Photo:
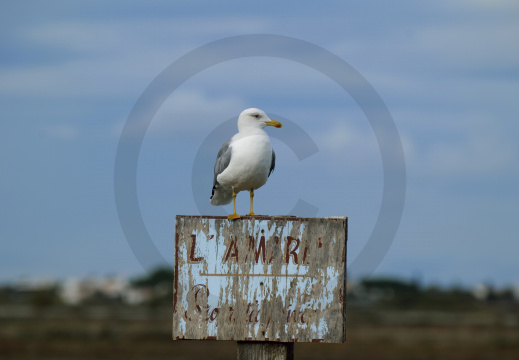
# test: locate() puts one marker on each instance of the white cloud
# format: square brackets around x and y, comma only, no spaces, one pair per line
[113,77]
[476,155]
[187,111]
[359,148]
[98,36]
[458,145]
[470,45]
[111,58]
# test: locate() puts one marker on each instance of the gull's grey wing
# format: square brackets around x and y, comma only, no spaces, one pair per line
[273,162]
[222,160]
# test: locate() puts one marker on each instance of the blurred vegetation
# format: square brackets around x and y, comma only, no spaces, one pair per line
[401,294]
[382,292]
[158,277]
[160,281]
[387,318]
[38,298]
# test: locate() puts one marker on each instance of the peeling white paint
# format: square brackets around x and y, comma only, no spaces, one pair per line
[260,278]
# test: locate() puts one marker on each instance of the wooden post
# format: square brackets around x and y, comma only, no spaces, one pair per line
[265,350]
[265,282]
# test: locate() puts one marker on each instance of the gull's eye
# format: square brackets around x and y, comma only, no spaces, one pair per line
[257,116]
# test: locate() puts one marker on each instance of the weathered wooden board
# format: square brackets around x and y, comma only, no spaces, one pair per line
[260,278]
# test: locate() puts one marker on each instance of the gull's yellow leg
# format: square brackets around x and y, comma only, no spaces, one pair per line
[251,201]
[233,216]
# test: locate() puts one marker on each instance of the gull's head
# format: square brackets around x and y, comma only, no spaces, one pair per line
[255,118]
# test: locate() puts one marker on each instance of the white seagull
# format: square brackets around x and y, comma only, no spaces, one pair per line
[245,161]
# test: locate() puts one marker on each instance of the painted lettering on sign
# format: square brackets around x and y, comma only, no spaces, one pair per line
[281,279]
[192,259]
[202,311]
[258,253]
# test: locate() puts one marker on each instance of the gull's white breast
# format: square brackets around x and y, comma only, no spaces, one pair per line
[250,163]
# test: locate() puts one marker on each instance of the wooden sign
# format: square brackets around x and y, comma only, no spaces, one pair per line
[260,278]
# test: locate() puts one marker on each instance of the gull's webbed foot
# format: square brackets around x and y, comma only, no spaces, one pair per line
[233,216]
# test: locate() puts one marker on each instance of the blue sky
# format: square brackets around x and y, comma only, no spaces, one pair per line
[448,72]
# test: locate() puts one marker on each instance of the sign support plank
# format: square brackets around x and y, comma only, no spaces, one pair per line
[260,279]
[265,350]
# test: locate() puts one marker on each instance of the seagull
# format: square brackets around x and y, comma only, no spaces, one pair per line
[245,161]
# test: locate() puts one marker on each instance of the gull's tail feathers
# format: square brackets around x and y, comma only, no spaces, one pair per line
[221,196]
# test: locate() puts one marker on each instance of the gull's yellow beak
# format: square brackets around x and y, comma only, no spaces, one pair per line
[274,123]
